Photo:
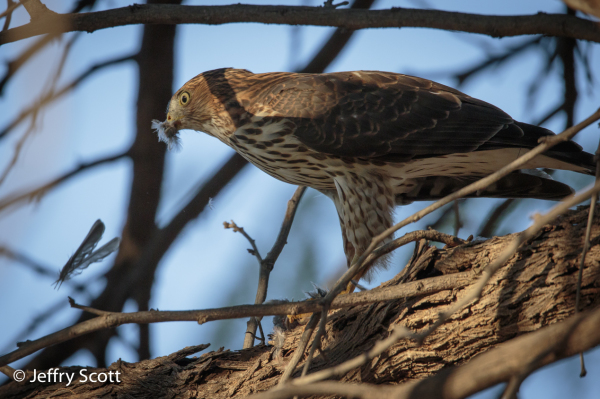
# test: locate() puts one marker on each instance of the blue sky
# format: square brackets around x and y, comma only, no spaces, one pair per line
[209,266]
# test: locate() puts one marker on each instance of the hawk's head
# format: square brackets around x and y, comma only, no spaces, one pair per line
[198,105]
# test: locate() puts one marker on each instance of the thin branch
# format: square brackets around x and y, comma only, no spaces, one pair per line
[19,147]
[300,348]
[565,51]
[8,371]
[49,92]
[496,26]
[43,315]
[495,60]
[514,383]
[379,252]
[550,114]
[316,344]
[97,312]
[458,224]
[495,216]
[286,225]
[267,264]
[238,229]
[30,263]
[10,7]
[37,193]
[52,96]
[14,65]
[586,247]
[114,319]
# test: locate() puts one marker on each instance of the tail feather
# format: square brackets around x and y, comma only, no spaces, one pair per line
[518,184]
[567,151]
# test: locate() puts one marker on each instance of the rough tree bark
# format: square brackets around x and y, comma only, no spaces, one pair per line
[534,289]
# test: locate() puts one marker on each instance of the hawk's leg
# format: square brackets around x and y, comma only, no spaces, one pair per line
[365,203]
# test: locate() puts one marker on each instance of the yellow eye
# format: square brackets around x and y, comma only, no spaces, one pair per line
[184,98]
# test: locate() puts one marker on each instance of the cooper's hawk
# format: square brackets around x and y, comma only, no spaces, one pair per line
[368,140]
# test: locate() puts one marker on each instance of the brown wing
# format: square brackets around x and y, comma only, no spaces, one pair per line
[388,115]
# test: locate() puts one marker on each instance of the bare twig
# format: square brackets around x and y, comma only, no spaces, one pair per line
[495,216]
[14,65]
[300,348]
[48,93]
[431,235]
[43,315]
[496,26]
[495,60]
[550,114]
[266,265]
[379,252]
[25,260]
[237,229]
[88,309]
[10,7]
[19,146]
[514,383]
[317,341]
[457,222]
[55,94]
[286,225]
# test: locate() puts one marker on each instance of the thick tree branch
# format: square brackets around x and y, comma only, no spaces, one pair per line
[496,26]
[578,333]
